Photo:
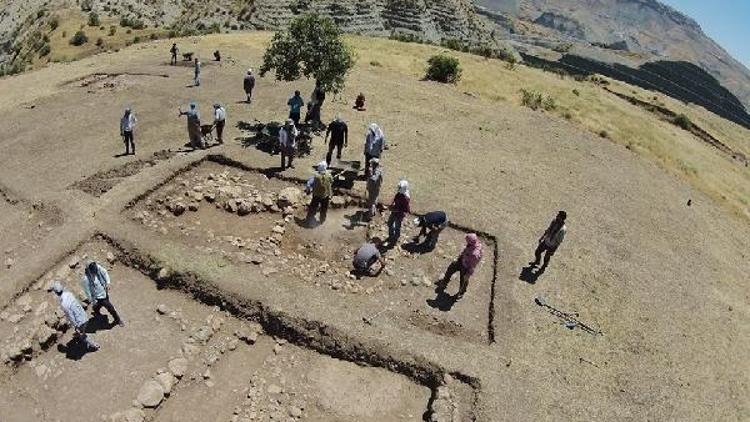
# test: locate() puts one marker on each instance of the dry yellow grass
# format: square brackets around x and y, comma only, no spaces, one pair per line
[72,21]
[676,150]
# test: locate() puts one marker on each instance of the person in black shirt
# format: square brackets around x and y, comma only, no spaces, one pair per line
[432,224]
[339,132]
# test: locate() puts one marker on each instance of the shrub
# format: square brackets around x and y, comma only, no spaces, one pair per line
[153,36]
[443,68]
[79,38]
[568,115]
[683,121]
[112,30]
[604,134]
[128,22]
[86,5]
[94,19]
[54,23]
[375,63]
[65,34]
[136,40]
[536,100]
[576,92]
[99,42]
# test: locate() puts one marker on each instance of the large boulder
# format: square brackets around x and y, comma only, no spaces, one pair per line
[288,197]
[151,394]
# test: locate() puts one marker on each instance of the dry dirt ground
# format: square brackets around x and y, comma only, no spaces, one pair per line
[663,285]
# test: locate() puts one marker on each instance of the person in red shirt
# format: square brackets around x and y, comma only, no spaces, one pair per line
[399,208]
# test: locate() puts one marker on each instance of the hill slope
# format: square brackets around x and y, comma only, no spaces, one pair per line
[646,27]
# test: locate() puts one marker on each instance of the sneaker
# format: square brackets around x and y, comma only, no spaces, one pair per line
[121,323]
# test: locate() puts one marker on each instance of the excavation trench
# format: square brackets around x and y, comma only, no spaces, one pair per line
[127,259]
[313,335]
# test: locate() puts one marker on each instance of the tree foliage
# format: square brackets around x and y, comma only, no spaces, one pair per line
[312,47]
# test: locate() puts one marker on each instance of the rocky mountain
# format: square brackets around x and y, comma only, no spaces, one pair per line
[25,23]
[648,29]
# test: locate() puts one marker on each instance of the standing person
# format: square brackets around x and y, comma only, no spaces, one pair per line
[432,224]
[551,240]
[288,143]
[367,255]
[220,119]
[339,132]
[197,68]
[95,283]
[75,314]
[249,84]
[295,104]
[317,98]
[374,182]
[465,265]
[321,186]
[193,126]
[127,126]
[174,50]
[374,145]
[399,208]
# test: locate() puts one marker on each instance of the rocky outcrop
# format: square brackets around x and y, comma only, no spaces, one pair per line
[653,30]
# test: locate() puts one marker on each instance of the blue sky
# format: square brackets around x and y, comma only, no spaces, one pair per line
[726,21]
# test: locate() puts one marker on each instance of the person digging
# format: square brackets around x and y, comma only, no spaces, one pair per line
[75,315]
[366,257]
[431,225]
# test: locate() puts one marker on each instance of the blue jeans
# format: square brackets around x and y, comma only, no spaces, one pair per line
[394,226]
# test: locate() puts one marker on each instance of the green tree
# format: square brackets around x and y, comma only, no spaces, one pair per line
[312,47]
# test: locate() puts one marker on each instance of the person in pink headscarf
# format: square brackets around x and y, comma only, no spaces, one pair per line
[465,264]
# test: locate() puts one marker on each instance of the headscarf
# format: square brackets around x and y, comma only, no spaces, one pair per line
[375,161]
[473,245]
[249,71]
[322,167]
[376,131]
[56,287]
[338,118]
[403,188]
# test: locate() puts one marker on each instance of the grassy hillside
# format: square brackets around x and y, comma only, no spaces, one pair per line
[589,106]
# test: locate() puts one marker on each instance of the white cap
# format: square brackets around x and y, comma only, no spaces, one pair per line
[322,166]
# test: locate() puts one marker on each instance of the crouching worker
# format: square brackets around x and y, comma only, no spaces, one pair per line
[367,255]
[75,314]
[465,265]
[432,224]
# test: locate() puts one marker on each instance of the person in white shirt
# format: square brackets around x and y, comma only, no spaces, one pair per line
[75,314]
[127,126]
[220,117]
[95,283]
[551,240]
[288,143]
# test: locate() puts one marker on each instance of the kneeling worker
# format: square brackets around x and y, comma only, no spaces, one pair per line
[367,255]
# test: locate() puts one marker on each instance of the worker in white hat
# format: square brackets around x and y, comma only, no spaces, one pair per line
[75,314]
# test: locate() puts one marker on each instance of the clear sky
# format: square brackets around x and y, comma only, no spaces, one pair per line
[726,21]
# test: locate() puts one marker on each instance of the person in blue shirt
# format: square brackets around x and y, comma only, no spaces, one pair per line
[295,107]
[95,283]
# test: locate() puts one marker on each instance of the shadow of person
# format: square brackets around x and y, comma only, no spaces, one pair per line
[305,223]
[120,155]
[358,219]
[74,349]
[414,247]
[529,275]
[98,323]
[443,301]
